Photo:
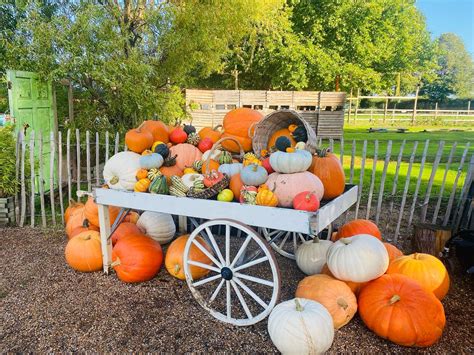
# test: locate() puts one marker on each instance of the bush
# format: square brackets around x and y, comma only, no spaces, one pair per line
[9,184]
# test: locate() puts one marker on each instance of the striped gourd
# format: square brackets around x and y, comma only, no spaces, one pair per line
[153,173]
[198,185]
[178,184]
[176,192]
[197,165]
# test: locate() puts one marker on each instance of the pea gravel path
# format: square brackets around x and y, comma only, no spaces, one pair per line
[46,306]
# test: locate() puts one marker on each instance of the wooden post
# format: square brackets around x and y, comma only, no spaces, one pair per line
[70,101]
[382,181]
[441,190]
[434,168]
[430,238]
[361,178]
[436,112]
[19,139]
[88,162]
[385,109]
[372,179]
[60,174]
[106,242]
[32,178]
[418,181]
[22,181]
[52,153]
[413,119]
[97,159]
[68,165]
[41,179]
[357,105]
[350,108]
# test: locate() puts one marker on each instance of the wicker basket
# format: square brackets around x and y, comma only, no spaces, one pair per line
[278,120]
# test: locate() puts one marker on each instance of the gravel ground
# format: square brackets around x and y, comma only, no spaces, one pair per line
[46,306]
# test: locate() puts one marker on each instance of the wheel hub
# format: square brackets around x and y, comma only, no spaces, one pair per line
[226,273]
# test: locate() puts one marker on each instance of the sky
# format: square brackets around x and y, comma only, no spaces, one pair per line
[455,16]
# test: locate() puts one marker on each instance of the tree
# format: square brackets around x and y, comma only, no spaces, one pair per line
[455,72]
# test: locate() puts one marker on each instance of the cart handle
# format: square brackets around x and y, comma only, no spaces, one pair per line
[217,145]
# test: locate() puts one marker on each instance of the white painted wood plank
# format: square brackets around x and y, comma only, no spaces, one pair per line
[60,174]
[97,159]
[361,178]
[52,155]
[32,178]
[106,242]
[78,159]
[395,178]
[106,146]
[372,179]
[22,179]
[41,178]
[441,189]
[382,181]
[117,138]
[68,165]
[88,162]
[426,201]
[405,191]
[418,181]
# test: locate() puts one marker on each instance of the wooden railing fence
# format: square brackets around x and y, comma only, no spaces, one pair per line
[400,182]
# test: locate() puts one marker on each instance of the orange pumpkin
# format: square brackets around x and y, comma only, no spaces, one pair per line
[393,251]
[236,185]
[138,140]
[333,294]
[236,124]
[73,207]
[327,167]
[214,134]
[86,226]
[285,132]
[186,153]
[131,217]
[136,258]
[83,252]
[358,226]
[426,269]
[169,171]
[91,212]
[213,165]
[175,253]
[158,130]
[354,286]
[141,174]
[125,229]
[398,309]
[75,221]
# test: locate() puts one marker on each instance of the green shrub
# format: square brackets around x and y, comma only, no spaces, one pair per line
[9,184]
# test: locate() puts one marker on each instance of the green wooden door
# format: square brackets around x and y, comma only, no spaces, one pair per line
[31,107]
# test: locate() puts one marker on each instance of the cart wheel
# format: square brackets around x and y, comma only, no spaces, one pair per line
[283,242]
[243,284]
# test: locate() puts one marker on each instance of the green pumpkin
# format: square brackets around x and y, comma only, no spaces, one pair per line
[282,143]
[225,158]
[163,150]
[300,134]
[159,186]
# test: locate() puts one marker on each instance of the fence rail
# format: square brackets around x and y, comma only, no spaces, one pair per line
[400,181]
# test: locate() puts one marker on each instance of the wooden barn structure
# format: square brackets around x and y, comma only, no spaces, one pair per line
[323,110]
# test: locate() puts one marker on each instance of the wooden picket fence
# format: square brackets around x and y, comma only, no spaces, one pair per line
[394,203]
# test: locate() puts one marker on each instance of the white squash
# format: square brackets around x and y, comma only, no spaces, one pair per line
[311,255]
[120,169]
[360,258]
[289,163]
[230,169]
[159,226]
[301,326]
[188,179]
[215,155]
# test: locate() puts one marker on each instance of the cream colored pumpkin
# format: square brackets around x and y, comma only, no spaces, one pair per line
[289,163]
[311,255]
[188,179]
[287,186]
[301,326]
[159,226]
[120,169]
[360,258]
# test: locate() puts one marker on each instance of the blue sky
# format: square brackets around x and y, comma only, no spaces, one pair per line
[455,16]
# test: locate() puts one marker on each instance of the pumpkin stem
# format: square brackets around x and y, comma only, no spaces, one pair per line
[416,256]
[115,263]
[342,303]
[140,127]
[308,196]
[114,180]
[315,240]
[85,223]
[299,307]
[345,241]
[176,269]
[216,128]
[394,299]
[322,152]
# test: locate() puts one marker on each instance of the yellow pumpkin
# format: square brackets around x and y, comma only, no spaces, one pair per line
[142,185]
[189,171]
[265,197]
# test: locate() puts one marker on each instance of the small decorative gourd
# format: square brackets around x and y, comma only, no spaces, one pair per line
[159,185]
[266,197]
[141,174]
[225,158]
[142,185]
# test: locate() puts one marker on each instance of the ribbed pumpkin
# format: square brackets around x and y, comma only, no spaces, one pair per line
[125,229]
[333,294]
[141,174]
[393,251]
[358,226]
[237,124]
[186,153]
[398,309]
[138,139]
[137,258]
[236,185]
[73,207]
[354,286]
[86,226]
[84,253]
[175,253]
[266,197]
[426,269]
[76,220]
[159,226]
[281,132]
[142,185]
[120,170]
[91,212]
[158,130]
[214,134]
[311,255]
[327,167]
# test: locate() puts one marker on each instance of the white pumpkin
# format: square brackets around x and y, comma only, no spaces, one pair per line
[301,326]
[159,226]
[215,155]
[120,169]
[360,258]
[188,179]
[311,255]
[289,163]
[230,169]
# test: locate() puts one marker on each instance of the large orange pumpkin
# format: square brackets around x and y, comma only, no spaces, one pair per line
[174,258]
[358,226]
[214,134]
[354,286]
[86,226]
[236,185]
[327,167]
[393,251]
[426,269]
[91,212]
[158,130]
[237,124]
[73,207]
[186,153]
[138,139]
[125,229]
[169,171]
[333,294]
[83,252]
[136,258]
[398,309]
[285,132]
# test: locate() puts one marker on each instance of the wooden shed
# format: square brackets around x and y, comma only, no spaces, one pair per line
[323,110]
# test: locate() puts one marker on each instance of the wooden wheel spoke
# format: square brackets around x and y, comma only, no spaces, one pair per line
[214,245]
[228,300]
[241,250]
[284,240]
[251,263]
[216,291]
[303,240]
[204,266]
[205,281]
[295,243]
[254,279]
[227,245]
[250,293]
[241,299]
[206,252]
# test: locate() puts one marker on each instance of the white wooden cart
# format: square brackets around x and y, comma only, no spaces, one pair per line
[241,259]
